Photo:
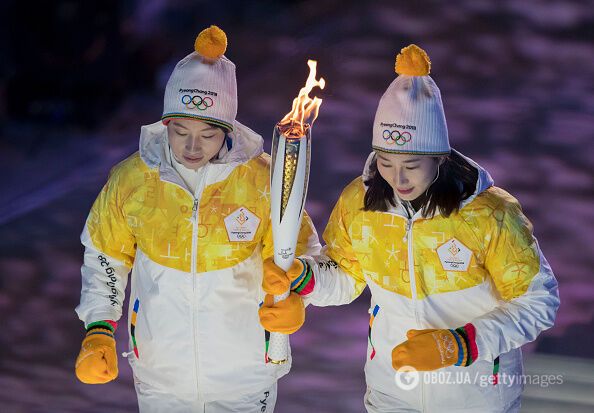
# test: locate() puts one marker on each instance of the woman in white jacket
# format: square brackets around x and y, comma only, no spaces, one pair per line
[457,279]
[189,214]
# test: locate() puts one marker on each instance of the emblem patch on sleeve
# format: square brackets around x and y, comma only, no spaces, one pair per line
[454,255]
[242,225]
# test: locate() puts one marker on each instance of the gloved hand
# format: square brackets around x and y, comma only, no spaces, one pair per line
[97,362]
[286,316]
[299,278]
[432,349]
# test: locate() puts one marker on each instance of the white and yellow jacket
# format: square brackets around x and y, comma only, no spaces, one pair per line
[196,258]
[482,265]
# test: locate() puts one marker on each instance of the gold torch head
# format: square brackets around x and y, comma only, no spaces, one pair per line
[290,158]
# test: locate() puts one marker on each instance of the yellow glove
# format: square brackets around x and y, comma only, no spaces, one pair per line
[286,316]
[97,362]
[431,349]
[299,278]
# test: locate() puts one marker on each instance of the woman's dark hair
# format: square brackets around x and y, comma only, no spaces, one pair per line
[456,182]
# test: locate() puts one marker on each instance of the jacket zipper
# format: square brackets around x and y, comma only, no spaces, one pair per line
[193,263]
[411,270]
[408,237]
[193,275]
[194,259]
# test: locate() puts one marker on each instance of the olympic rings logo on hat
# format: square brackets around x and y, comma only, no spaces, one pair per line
[396,137]
[197,102]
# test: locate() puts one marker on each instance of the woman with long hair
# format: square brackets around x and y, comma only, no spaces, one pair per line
[458,281]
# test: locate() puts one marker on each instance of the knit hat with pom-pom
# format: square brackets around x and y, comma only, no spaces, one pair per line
[410,117]
[203,85]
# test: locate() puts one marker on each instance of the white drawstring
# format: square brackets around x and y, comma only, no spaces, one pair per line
[436,177]
[435,180]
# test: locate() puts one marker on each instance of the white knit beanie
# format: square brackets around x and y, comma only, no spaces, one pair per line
[203,85]
[410,118]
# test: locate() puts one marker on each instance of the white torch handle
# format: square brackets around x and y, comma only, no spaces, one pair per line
[285,231]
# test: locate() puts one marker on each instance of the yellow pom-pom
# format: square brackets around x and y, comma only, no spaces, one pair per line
[413,61]
[211,43]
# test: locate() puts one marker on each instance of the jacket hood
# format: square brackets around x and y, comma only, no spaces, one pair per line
[483,182]
[246,145]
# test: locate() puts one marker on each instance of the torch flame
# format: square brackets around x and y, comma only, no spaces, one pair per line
[304,108]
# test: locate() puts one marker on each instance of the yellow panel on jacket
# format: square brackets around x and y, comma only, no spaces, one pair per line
[488,238]
[136,209]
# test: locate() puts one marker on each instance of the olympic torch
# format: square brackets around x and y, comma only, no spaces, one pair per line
[289,176]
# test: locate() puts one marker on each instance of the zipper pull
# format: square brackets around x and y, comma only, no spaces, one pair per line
[195,209]
[408,225]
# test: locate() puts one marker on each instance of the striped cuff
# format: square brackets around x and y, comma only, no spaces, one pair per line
[462,348]
[108,324]
[467,334]
[100,331]
[304,284]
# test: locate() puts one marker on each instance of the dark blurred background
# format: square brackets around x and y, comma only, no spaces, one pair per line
[78,79]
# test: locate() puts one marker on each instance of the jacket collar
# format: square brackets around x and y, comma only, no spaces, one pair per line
[247,145]
[154,148]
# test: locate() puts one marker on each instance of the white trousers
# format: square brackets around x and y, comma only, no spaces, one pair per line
[378,402]
[150,401]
